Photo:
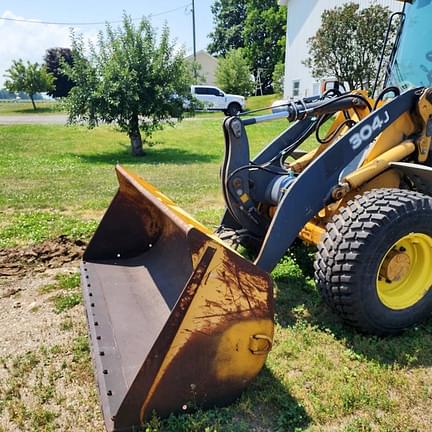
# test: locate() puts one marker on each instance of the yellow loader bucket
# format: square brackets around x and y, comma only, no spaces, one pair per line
[177,319]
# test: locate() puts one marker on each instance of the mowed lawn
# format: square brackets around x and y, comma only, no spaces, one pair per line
[320,375]
[26,107]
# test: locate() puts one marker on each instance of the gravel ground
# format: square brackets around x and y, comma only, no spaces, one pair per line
[33,119]
[46,376]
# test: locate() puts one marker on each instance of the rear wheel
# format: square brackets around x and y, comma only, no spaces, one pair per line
[373,266]
[233,109]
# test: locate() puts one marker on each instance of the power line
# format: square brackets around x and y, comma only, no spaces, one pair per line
[90,23]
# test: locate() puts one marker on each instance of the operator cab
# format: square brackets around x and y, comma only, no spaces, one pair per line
[411,63]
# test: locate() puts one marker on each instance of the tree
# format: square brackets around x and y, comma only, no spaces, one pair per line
[196,73]
[349,43]
[228,18]
[264,36]
[29,78]
[233,74]
[54,60]
[128,79]
[259,26]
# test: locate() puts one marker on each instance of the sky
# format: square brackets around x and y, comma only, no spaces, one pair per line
[29,41]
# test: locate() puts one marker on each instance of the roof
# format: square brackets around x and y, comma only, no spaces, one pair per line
[202,52]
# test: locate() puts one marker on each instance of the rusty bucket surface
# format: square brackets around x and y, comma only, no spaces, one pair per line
[177,319]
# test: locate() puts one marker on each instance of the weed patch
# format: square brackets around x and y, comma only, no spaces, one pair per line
[64,302]
[70,295]
[62,282]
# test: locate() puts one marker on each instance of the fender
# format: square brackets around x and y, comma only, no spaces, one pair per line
[423,172]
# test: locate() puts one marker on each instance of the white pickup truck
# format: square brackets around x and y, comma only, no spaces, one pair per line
[214,99]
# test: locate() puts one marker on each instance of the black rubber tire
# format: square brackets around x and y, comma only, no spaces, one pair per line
[233,109]
[351,251]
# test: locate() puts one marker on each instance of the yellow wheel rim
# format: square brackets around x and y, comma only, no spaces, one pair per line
[405,273]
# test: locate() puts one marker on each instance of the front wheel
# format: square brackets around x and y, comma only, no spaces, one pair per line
[374,264]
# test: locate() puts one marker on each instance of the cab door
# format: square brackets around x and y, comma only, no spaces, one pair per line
[219,98]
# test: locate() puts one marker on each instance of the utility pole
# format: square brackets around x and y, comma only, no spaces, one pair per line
[193,29]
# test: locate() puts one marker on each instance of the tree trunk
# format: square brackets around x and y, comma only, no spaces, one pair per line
[32,101]
[136,143]
[135,137]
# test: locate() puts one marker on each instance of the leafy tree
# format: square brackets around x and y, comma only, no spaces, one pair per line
[259,26]
[264,36]
[349,43]
[196,73]
[129,79]
[233,74]
[278,78]
[228,18]
[54,60]
[29,78]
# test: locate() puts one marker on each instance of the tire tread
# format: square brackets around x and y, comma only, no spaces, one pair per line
[347,235]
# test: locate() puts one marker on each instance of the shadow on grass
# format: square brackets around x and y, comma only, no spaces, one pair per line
[265,405]
[152,155]
[276,407]
[38,110]
[295,289]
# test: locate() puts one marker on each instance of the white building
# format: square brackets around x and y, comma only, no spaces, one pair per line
[208,65]
[304,19]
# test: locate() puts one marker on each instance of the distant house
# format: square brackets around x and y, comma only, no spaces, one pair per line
[304,19]
[208,66]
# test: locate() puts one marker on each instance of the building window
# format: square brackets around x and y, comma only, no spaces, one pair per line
[296,88]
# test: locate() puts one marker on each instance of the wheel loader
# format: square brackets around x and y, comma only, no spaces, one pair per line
[180,320]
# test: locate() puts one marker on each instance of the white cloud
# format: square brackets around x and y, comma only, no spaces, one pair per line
[29,41]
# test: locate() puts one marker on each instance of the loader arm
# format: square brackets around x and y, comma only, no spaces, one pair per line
[308,193]
[248,184]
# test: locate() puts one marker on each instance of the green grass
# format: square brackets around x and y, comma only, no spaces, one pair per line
[71,169]
[257,102]
[42,107]
[36,226]
[320,375]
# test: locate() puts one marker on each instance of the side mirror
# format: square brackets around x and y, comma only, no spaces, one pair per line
[221,94]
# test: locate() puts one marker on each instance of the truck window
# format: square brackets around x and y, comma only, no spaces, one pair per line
[214,92]
[203,91]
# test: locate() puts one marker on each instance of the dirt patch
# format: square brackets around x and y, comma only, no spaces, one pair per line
[49,254]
